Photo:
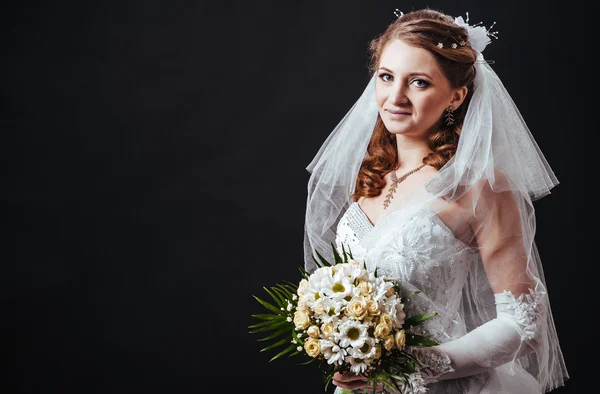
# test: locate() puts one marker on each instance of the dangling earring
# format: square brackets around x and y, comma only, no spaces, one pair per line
[449,116]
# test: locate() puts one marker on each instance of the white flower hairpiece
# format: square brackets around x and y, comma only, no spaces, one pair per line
[479,36]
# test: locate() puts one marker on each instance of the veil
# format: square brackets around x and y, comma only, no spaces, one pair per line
[496,154]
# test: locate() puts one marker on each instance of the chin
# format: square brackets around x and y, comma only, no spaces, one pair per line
[395,128]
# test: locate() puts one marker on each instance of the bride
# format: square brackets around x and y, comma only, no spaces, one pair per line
[431,178]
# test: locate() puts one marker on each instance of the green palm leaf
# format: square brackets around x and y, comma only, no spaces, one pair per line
[276,334]
[268,316]
[289,349]
[419,340]
[418,319]
[270,327]
[267,305]
[336,256]
[278,300]
[276,344]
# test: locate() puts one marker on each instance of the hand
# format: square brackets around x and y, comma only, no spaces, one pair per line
[352,381]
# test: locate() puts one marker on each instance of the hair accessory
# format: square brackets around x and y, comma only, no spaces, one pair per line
[479,36]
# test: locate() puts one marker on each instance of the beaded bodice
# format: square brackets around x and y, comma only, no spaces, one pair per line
[419,250]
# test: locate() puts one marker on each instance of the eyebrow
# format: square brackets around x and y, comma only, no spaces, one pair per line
[410,75]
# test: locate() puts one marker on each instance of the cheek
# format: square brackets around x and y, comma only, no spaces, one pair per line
[380,98]
[433,106]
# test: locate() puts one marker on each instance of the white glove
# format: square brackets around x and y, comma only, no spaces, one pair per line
[512,334]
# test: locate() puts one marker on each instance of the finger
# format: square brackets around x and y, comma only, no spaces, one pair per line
[354,385]
[348,377]
[357,385]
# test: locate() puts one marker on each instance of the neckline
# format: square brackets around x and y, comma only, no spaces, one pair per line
[368,220]
[365,215]
[435,217]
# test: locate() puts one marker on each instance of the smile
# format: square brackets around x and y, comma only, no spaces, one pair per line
[398,114]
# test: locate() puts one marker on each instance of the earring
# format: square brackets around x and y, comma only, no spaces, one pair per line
[449,116]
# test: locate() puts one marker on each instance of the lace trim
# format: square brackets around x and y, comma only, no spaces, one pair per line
[414,385]
[434,363]
[527,308]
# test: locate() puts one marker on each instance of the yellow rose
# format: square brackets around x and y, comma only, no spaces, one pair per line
[388,342]
[313,331]
[373,308]
[364,287]
[312,347]
[382,330]
[400,338]
[327,329]
[386,319]
[319,309]
[301,320]
[302,304]
[357,307]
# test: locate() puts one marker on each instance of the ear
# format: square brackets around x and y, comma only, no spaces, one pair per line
[458,96]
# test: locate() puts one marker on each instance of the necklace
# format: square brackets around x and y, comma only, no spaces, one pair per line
[395,182]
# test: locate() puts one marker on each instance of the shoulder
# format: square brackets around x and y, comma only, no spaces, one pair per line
[489,196]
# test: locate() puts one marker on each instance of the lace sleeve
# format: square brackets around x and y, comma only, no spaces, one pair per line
[512,334]
[524,312]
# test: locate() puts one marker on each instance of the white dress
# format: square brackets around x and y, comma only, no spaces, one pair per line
[419,250]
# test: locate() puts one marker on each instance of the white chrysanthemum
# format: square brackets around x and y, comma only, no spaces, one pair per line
[366,352]
[357,365]
[312,290]
[329,309]
[352,333]
[380,288]
[400,315]
[352,271]
[339,287]
[334,354]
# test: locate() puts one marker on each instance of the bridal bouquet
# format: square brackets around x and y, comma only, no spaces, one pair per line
[347,319]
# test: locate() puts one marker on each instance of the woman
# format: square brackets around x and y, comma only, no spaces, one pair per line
[430,178]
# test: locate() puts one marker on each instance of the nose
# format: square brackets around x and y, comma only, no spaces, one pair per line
[398,94]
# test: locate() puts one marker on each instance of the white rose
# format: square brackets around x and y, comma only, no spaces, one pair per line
[313,331]
[301,320]
[327,329]
[312,347]
[302,287]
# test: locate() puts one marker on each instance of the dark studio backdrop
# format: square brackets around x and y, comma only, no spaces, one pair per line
[156,177]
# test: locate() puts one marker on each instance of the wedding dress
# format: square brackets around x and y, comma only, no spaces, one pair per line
[417,248]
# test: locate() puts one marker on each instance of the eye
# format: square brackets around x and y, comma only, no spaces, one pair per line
[385,77]
[420,83]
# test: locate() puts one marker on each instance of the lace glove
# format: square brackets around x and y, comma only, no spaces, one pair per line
[513,333]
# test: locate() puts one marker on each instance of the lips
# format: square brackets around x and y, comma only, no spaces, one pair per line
[394,112]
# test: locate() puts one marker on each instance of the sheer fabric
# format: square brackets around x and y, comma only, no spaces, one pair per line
[464,239]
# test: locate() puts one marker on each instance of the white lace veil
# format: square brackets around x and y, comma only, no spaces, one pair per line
[495,150]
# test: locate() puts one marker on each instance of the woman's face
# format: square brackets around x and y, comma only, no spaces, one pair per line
[411,91]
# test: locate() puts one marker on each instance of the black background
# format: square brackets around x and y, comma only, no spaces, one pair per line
[156,162]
